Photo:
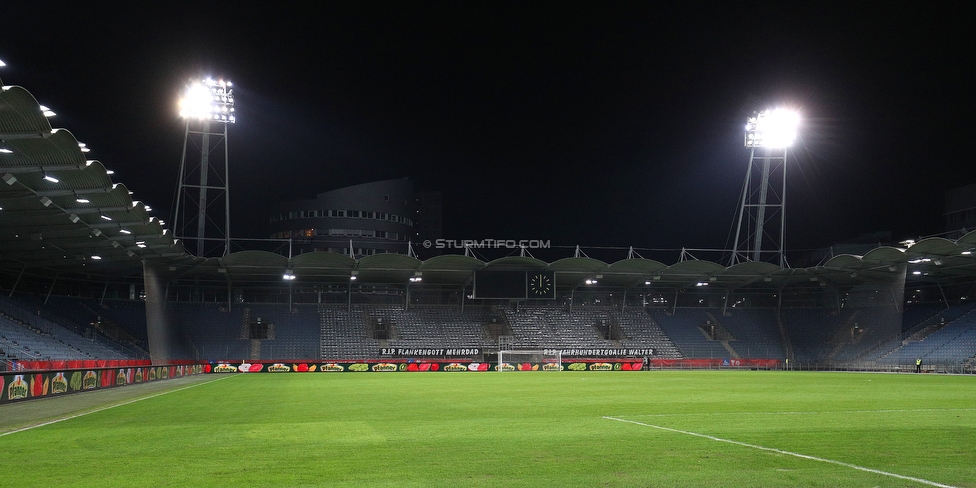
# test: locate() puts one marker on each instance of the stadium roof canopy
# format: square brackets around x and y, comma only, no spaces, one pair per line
[930,259]
[61,213]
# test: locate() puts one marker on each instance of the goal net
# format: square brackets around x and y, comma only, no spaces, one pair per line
[530,360]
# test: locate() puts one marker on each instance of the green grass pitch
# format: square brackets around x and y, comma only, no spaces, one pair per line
[658,428]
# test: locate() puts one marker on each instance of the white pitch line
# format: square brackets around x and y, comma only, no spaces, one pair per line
[788,453]
[807,412]
[108,407]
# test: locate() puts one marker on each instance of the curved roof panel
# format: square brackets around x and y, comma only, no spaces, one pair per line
[885,254]
[968,239]
[388,262]
[21,114]
[934,245]
[253,259]
[323,260]
[845,261]
[517,262]
[578,265]
[451,262]
[61,212]
[636,266]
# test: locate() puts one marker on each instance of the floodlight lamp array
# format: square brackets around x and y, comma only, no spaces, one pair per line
[209,99]
[772,128]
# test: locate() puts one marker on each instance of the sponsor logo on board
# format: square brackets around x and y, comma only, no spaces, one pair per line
[89,381]
[225,368]
[18,388]
[59,384]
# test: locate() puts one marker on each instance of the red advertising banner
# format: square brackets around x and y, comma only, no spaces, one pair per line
[446,365]
[17,386]
[79,364]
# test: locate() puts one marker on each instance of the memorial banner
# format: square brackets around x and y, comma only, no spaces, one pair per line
[623,352]
[434,352]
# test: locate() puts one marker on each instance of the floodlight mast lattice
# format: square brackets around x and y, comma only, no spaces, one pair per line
[207,107]
[759,236]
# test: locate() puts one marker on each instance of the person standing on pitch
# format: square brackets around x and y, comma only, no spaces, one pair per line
[918,365]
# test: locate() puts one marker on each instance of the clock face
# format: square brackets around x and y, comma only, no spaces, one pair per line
[540,285]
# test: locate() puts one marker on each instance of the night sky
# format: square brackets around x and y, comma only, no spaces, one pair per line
[598,124]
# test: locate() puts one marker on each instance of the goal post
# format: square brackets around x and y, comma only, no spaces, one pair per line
[530,360]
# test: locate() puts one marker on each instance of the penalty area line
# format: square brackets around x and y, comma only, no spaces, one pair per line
[780,451]
[50,422]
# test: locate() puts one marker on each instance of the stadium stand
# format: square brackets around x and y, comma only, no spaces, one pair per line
[296,332]
[439,327]
[641,331]
[213,332]
[685,328]
[810,331]
[754,331]
[40,339]
[344,334]
[952,341]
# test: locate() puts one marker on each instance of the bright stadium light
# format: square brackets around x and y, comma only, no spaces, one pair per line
[761,228]
[209,100]
[208,106]
[772,128]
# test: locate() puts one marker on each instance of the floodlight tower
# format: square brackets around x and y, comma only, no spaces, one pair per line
[761,228]
[208,107]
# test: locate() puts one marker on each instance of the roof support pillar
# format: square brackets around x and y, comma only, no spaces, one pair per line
[17,282]
[349,297]
[406,298]
[944,300]
[230,296]
[462,299]
[55,280]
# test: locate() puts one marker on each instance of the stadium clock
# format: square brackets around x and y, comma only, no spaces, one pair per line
[540,285]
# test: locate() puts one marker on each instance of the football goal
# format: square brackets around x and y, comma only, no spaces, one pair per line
[530,360]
